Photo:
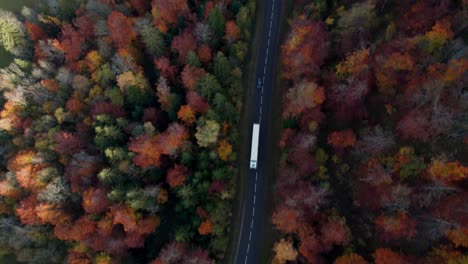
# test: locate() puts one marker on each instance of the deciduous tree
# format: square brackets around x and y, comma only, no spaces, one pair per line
[121,30]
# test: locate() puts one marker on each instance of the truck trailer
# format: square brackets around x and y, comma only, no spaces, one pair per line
[254,149]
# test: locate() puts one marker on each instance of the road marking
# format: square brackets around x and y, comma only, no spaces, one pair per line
[261,100]
[255,198]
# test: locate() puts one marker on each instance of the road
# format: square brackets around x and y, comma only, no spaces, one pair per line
[253,212]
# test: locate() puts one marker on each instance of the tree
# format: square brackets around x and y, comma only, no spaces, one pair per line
[152,38]
[166,69]
[439,35]
[395,227]
[334,232]
[165,13]
[285,251]
[204,53]
[415,125]
[72,43]
[183,43]
[342,139]
[355,24]
[232,31]
[147,154]
[163,92]
[224,150]
[190,76]
[354,63]
[352,258]
[176,175]
[302,96]
[186,114]
[35,31]
[447,171]
[207,133]
[67,143]
[217,23]
[305,48]
[172,252]
[387,256]
[13,36]
[121,30]
[222,68]
[208,86]
[197,103]
[95,200]
[205,228]
[286,220]
[311,248]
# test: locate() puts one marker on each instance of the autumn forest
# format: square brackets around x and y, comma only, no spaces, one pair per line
[119,131]
[375,141]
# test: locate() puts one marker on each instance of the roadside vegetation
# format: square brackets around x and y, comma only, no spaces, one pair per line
[375,138]
[118,125]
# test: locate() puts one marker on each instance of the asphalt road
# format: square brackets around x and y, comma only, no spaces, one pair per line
[253,212]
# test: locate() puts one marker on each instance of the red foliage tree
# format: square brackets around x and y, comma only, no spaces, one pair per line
[387,256]
[153,115]
[205,227]
[305,48]
[85,25]
[217,186]
[286,220]
[165,12]
[147,154]
[176,175]
[81,171]
[415,125]
[395,227]
[166,70]
[334,232]
[75,106]
[204,53]
[311,248]
[352,258]
[107,108]
[125,216]
[95,200]
[342,139]
[121,30]
[67,143]
[72,43]
[232,31]
[141,6]
[197,102]
[190,76]
[183,43]
[35,31]
[26,211]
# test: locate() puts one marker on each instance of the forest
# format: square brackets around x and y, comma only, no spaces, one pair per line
[118,130]
[374,146]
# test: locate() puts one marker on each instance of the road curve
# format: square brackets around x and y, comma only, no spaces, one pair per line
[253,211]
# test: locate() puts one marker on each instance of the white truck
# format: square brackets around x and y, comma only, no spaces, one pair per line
[254,149]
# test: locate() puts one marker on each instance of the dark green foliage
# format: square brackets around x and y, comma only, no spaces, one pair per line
[217,23]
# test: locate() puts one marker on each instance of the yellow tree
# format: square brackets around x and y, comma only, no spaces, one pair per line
[285,251]
[224,149]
